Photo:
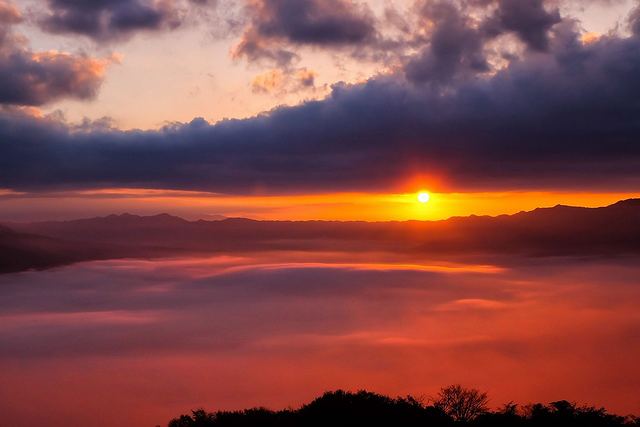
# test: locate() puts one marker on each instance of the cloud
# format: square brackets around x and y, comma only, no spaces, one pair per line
[36,78]
[454,47]
[560,118]
[9,14]
[278,82]
[528,19]
[444,32]
[106,20]
[634,20]
[277,25]
[154,338]
[314,21]
[130,305]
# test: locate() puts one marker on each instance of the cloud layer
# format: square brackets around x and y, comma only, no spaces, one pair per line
[509,96]
[565,117]
[158,338]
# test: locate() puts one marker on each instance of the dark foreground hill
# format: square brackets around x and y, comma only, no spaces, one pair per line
[338,409]
[557,231]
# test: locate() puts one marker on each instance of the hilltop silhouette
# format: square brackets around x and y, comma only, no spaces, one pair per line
[454,406]
[557,231]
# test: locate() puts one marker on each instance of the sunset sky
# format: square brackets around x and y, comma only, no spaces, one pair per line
[364,114]
[316,109]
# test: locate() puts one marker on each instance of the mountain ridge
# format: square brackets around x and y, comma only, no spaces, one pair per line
[555,231]
[632,202]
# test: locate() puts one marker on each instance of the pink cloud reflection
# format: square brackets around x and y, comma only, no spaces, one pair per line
[138,342]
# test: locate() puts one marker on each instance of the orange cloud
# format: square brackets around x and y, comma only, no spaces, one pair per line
[279,81]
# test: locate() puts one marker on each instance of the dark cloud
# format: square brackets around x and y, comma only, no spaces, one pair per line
[528,19]
[255,48]
[314,21]
[454,47]
[115,19]
[277,24]
[36,78]
[450,36]
[30,78]
[456,44]
[565,117]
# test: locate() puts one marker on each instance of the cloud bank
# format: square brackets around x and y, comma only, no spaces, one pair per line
[156,338]
[551,112]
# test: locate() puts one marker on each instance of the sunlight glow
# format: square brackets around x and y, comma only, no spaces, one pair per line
[194,205]
[423,197]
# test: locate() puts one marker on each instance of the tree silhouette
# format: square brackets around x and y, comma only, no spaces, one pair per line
[456,406]
[462,404]
[198,418]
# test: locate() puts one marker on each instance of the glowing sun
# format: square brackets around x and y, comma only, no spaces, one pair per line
[423,197]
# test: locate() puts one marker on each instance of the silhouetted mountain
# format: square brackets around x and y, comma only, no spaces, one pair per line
[556,231]
[21,251]
[340,408]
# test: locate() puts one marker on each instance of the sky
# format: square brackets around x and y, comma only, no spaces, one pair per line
[316,109]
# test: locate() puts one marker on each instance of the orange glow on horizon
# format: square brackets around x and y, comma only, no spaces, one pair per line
[338,206]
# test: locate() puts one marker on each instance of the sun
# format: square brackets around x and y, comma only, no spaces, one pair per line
[423,197]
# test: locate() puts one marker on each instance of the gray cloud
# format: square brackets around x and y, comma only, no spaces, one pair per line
[556,119]
[277,25]
[105,20]
[454,47]
[36,78]
[528,19]
[564,117]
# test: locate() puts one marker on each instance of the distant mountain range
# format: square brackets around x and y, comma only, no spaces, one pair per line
[557,231]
